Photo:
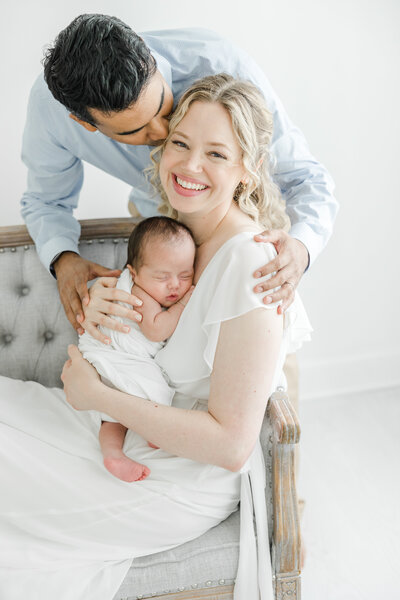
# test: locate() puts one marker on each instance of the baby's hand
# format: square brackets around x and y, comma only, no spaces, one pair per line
[185,299]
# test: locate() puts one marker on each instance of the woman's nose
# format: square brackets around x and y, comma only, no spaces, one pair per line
[192,162]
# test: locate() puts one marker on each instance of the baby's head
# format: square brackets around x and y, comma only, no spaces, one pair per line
[161,254]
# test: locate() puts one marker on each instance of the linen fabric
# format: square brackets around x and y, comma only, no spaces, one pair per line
[54,147]
[128,362]
[69,529]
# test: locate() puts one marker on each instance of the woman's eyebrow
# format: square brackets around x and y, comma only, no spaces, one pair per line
[220,144]
[143,126]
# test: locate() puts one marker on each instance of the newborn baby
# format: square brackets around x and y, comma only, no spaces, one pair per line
[159,271]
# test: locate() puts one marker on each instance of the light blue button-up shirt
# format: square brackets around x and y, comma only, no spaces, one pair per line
[54,147]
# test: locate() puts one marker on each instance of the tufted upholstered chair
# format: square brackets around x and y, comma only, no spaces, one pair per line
[34,334]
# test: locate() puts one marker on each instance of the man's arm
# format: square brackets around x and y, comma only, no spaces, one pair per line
[158,324]
[55,178]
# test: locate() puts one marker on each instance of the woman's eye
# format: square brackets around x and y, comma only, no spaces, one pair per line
[217,155]
[179,144]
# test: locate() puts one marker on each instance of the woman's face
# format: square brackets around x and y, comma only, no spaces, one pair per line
[201,165]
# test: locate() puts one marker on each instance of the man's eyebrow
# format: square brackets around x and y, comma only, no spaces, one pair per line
[220,144]
[143,126]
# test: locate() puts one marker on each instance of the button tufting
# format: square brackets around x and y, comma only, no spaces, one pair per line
[48,335]
[24,290]
[8,338]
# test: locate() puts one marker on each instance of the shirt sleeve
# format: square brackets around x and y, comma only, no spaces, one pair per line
[55,178]
[305,183]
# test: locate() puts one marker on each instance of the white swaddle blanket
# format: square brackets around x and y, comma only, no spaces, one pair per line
[128,362]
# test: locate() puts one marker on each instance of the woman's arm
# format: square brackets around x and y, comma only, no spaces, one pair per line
[244,365]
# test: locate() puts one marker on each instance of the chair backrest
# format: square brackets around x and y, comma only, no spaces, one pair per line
[34,331]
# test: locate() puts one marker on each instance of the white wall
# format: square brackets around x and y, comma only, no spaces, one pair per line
[333,63]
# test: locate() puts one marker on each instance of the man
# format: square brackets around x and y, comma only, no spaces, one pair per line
[105,98]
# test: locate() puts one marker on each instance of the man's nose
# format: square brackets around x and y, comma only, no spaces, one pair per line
[158,129]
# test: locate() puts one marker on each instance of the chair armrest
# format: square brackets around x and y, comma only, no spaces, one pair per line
[286,540]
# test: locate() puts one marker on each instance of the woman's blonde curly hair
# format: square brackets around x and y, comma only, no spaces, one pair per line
[252,123]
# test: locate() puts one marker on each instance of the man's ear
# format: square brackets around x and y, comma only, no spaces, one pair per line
[84,124]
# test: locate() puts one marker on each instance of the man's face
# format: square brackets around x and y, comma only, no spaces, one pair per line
[143,123]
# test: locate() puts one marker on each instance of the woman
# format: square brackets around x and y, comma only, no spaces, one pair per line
[224,359]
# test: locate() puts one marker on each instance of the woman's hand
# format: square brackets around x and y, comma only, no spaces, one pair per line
[103,303]
[289,266]
[80,380]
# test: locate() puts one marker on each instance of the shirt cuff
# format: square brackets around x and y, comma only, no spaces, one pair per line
[52,249]
[313,242]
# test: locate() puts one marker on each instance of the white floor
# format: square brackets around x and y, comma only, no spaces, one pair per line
[350,480]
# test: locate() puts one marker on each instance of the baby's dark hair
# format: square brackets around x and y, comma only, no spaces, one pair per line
[164,228]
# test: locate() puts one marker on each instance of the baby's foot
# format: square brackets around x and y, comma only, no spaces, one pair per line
[153,446]
[126,469]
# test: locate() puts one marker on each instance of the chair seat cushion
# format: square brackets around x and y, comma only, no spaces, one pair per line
[208,561]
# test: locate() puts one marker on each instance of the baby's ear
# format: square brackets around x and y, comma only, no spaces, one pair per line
[131,271]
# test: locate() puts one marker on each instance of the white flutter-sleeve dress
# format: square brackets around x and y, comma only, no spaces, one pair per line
[68,529]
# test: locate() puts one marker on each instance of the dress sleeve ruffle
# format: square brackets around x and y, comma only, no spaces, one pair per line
[234,296]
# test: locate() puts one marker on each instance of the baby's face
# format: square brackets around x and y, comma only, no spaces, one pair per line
[167,270]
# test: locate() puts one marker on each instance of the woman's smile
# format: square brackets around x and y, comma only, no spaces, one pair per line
[187,186]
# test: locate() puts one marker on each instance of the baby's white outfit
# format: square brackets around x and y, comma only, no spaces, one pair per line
[128,362]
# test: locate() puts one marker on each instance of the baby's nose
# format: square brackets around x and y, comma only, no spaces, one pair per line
[174,282]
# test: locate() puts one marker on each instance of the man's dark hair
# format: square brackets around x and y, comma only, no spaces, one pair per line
[163,228]
[97,62]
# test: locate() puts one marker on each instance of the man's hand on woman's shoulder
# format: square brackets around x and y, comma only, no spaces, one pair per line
[289,265]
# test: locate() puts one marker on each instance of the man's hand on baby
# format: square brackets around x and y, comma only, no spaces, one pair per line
[103,302]
[73,272]
[289,265]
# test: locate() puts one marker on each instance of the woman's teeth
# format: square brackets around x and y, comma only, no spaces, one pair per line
[190,186]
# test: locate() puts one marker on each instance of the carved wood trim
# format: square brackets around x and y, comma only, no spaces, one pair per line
[223,592]
[17,235]
[286,529]
[288,588]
